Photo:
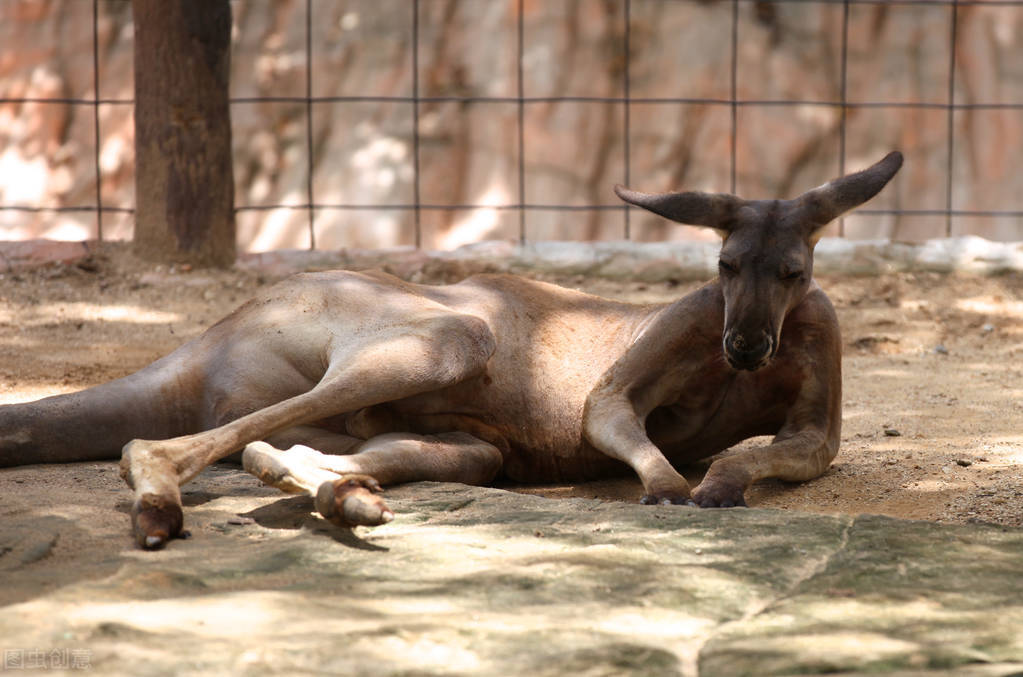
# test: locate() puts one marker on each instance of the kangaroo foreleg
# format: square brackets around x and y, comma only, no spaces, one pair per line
[796,458]
[613,426]
[802,449]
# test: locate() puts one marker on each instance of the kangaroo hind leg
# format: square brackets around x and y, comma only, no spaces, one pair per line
[426,354]
[344,487]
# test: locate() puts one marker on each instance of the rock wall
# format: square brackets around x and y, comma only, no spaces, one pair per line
[573,150]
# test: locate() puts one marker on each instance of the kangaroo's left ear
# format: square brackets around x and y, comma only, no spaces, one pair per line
[824,204]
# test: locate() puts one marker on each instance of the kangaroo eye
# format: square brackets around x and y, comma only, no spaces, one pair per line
[792,276]
[727,268]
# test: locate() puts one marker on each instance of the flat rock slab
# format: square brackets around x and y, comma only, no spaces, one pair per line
[471,581]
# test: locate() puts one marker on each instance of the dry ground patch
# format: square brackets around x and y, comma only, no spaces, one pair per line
[933,373]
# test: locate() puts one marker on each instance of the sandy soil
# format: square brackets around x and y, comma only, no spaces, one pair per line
[933,374]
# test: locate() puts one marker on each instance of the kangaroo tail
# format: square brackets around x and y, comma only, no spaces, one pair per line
[157,402]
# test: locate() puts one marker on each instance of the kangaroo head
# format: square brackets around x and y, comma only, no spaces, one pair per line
[766,260]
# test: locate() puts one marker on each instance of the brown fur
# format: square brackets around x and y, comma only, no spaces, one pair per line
[495,374]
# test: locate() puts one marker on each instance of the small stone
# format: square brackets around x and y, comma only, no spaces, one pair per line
[892,432]
[240,521]
[963,462]
[940,349]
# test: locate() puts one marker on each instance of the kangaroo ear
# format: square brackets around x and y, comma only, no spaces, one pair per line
[711,210]
[828,202]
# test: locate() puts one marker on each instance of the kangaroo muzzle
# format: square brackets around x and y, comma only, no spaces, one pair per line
[748,351]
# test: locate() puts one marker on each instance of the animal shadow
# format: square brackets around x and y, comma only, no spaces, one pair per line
[297,513]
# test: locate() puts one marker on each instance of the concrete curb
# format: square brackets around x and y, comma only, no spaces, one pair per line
[653,262]
[642,261]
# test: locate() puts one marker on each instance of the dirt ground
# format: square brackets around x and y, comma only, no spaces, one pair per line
[933,374]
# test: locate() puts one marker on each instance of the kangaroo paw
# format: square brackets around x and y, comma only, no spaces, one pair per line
[156,520]
[352,501]
[719,495]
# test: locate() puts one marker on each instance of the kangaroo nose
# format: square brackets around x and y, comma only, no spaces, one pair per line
[744,352]
[741,344]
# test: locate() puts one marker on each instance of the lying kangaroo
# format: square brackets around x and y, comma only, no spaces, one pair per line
[399,382]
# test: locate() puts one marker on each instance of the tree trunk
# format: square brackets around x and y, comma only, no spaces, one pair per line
[184,180]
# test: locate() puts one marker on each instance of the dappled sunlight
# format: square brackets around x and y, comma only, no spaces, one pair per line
[279,227]
[25,179]
[82,311]
[93,312]
[653,625]
[228,616]
[423,650]
[887,373]
[381,160]
[989,305]
[25,393]
[1014,444]
[837,647]
[69,230]
[479,223]
[414,606]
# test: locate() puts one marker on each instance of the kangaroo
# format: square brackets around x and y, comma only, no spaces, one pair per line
[365,380]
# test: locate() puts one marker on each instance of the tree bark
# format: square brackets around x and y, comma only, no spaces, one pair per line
[184,179]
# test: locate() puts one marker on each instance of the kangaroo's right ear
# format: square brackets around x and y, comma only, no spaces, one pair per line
[711,210]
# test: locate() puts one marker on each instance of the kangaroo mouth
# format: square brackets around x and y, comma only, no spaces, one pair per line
[747,364]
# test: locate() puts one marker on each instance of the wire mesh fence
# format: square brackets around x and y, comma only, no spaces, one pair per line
[455,120]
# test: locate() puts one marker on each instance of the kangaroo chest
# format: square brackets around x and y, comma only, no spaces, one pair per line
[719,407]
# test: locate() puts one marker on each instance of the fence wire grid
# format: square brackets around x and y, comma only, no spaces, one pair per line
[734,103]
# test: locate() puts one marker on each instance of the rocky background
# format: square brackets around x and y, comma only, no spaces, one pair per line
[363,151]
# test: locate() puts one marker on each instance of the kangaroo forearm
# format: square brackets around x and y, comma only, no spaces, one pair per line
[798,458]
[615,430]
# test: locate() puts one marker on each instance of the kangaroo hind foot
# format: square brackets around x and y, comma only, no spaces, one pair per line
[344,499]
